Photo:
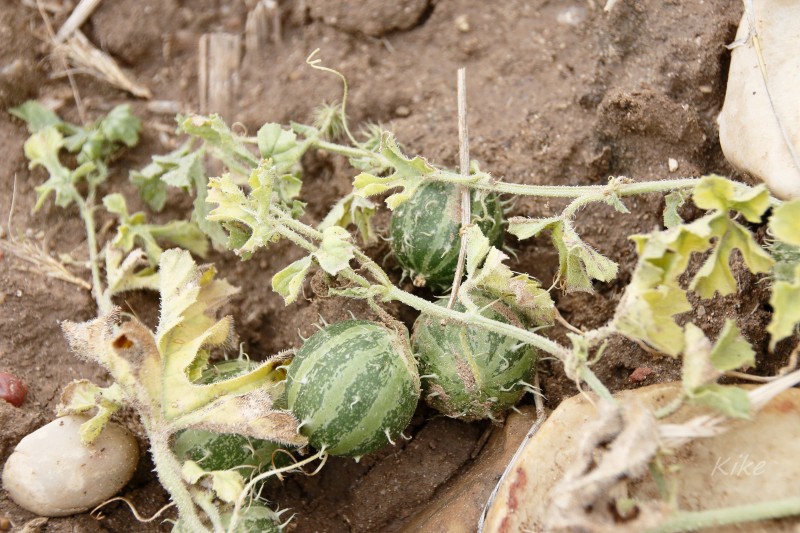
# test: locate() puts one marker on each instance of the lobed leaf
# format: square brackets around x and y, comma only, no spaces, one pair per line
[355,210]
[721,194]
[335,251]
[82,396]
[289,281]
[408,175]
[35,115]
[578,262]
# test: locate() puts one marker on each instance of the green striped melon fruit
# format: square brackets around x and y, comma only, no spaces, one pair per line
[425,231]
[354,387]
[468,372]
[224,451]
[253,518]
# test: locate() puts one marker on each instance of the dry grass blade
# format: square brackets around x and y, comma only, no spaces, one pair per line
[40,262]
[82,54]
[76,19]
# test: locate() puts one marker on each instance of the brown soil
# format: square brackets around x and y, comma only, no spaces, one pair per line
[617,93]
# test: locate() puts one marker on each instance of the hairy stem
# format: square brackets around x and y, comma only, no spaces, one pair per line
[168,470]
[694,520]
[87,207]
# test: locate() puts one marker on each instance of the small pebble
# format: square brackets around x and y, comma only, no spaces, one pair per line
[12,389]
[572,16]
[18,293]
[402,111]
[672,164]
[51,473]
[462,23]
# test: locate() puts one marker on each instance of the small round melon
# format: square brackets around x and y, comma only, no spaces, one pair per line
[468,372]
[224,451]
[425,231]
[354,387]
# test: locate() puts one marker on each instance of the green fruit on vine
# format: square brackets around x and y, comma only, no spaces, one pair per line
[224,451]
[354,387]
[425,231]
[468,372]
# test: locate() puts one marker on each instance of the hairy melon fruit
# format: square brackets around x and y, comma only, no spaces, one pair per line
[224,451]
[354,387]
[468,372]
[425,231]
[253,518]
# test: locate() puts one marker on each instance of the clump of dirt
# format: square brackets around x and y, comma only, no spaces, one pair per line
[558,93]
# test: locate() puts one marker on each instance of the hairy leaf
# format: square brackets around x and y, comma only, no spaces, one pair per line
[721,194]
[133,229]
[785,222]
[128,273]
[578,263]
[786,315]
[355,210]
[82,396]
[673,201]
[335,251]
[35,115]
[289,281]
[729,400]
[408,174]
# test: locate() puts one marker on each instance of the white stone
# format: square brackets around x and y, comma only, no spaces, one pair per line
[672,164]
[748,129]
[51,473]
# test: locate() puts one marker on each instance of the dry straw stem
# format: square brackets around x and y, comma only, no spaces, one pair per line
[464,191]
[676,435]
[263,25]
[220,55]
[76,19]
[82,54]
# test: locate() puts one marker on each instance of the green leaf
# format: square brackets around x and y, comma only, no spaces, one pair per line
[121,126]
[82,396]
[245,217]
[36,115]
[134,229]
[716,192]
[42,149]
[224,144]
[525,228]
[715,275]
[786,311]
[128,273]
[227,485]
[732,351]
[520,291]
[674,201]
[408,174]
[646,313]
[578,263]
[704,363]
[281,146]
[179,168]
[785,222]
[335,251]
[728,400]
[352,209]
[478,247]
[289,281]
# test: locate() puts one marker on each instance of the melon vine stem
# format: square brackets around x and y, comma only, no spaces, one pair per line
[300,233]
